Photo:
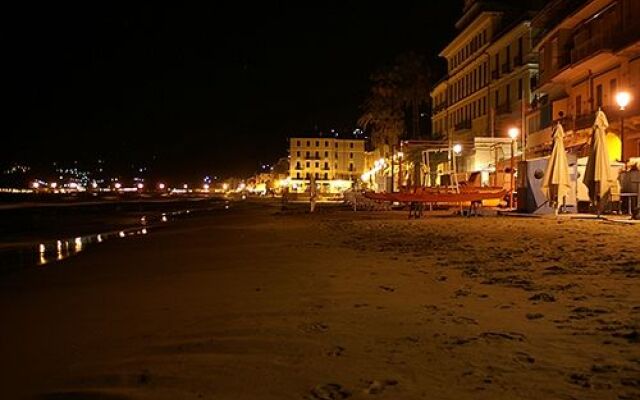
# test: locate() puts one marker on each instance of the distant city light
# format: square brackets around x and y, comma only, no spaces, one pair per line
[118,185]
[53,185]
[161,186]
[36,185]
[205,186]
[140,186]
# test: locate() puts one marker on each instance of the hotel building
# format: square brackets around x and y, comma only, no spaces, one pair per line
[334,163]
[589,50]
[490,73]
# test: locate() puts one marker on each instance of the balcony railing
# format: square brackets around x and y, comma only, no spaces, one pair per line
[583,50]
[462,125]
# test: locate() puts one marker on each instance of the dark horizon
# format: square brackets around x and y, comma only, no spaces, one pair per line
[203,90]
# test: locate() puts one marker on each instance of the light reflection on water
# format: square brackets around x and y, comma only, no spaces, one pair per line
[58,250]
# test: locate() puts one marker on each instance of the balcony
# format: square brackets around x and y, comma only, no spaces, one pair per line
[596,44]
[506,68]
[495,75]
[463,125]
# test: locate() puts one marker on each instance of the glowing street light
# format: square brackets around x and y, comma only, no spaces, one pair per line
[205,186]
[457,148]
[36,185]
[118,185]
[140,186]
[53,185]
[623,99]
[161,186]
[513,134]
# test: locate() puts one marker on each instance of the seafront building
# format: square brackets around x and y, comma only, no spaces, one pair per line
[334,163]
[490,73]
[589,51]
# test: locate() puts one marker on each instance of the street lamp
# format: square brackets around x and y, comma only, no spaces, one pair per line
[513,134]
[623,99]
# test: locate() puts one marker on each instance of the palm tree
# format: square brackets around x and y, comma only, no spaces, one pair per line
[397,93]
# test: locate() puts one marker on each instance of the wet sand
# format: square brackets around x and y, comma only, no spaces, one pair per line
[254,304]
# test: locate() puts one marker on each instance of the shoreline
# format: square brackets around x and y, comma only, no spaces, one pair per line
[332,305]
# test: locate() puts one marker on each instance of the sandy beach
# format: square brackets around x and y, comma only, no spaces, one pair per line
[257,304]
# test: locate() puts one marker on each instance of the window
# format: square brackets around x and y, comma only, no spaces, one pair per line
[613,86]
[317,164]
[326,165]
[351,145]
[298,165]
[599,95]
[554,53]
[326,144]
[520,89]
[326,154]
[308,154]
[578,105]
[317,175]
[336,145]
[317,154]
[298,175]
[317,143]
[336,155]
[298,143]
[350,167]
[308,143]
[297,153]
[326,175]
[350,155]
[308,164]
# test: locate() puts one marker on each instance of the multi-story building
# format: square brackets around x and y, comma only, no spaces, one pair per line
[333,162]
[589,50]
[488,83]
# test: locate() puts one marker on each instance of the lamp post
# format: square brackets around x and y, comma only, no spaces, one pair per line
[623,99]
[513,134]
[457,149]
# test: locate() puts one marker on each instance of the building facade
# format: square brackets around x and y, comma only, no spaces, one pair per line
[589,50]
[490,72]
[334,163]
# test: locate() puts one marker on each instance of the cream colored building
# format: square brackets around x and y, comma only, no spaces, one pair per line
[488,83]
[589,51]
[334,163]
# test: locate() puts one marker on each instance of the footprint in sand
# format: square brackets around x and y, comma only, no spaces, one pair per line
[330,391]
[336,351]
[378,387]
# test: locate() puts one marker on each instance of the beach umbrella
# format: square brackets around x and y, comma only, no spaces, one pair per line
[556,182]
[598,177]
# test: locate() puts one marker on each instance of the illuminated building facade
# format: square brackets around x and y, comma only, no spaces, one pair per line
[334,163]
[589,50]
[488,83]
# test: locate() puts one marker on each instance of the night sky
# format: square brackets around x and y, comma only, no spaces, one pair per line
[198,90]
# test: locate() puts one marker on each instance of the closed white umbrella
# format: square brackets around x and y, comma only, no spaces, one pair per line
[598,176]
[556,183]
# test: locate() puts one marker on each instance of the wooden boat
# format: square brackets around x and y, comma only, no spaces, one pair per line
[465,195]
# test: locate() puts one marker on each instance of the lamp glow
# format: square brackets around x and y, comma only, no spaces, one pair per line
[514,133]
[457,148]
[623,99]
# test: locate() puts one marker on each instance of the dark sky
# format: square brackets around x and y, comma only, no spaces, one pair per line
[204,90]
